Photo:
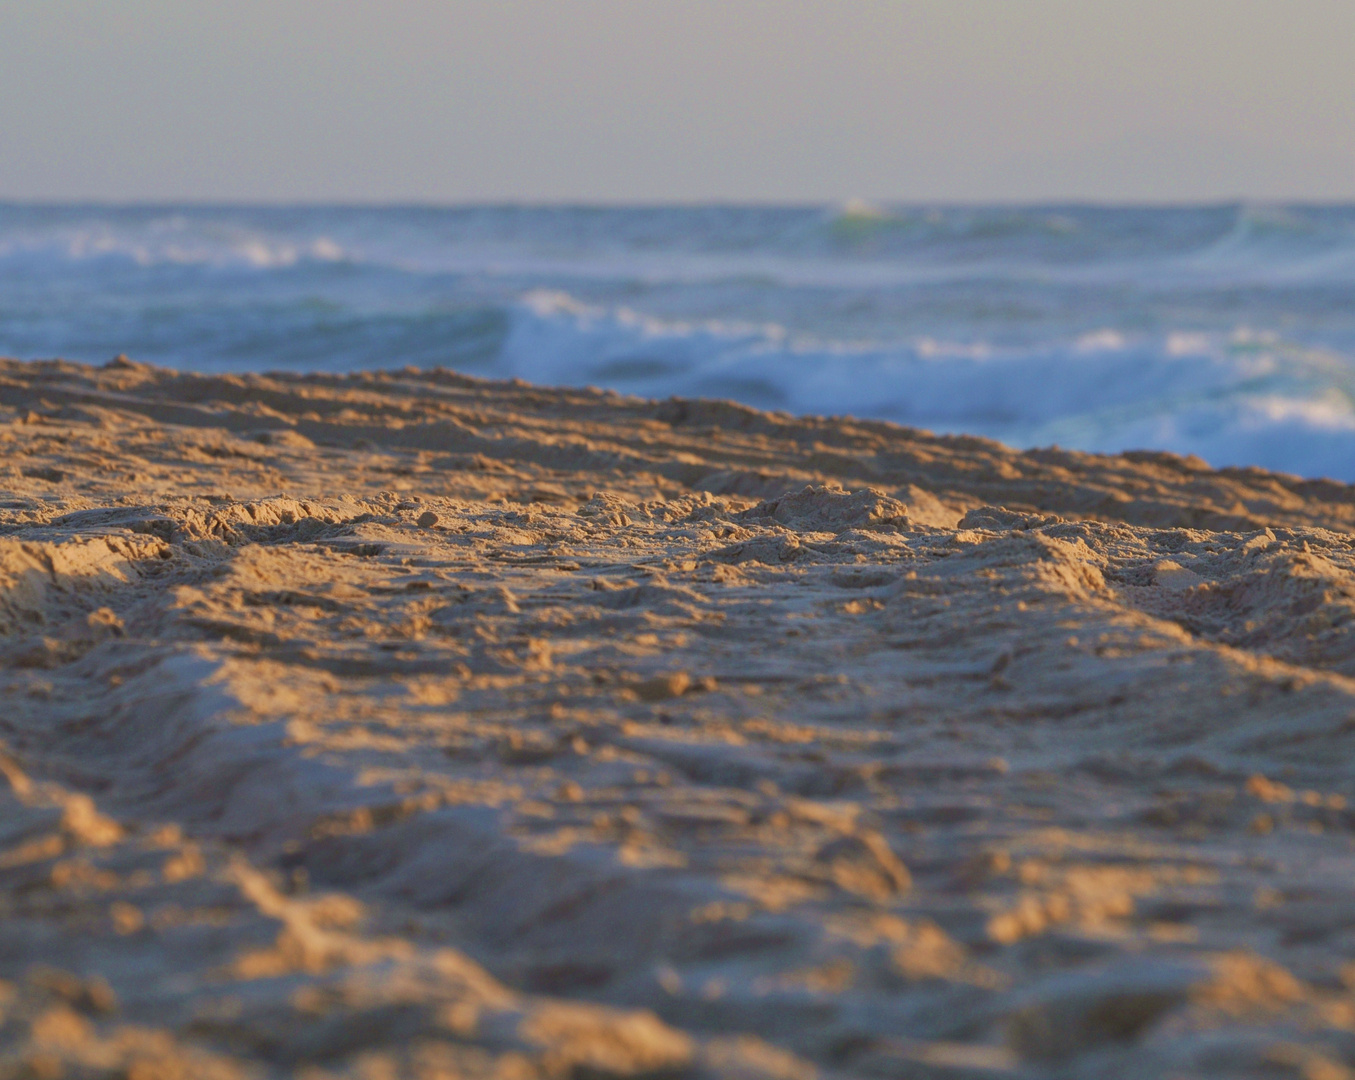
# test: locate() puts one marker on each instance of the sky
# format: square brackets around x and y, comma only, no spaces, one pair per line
[439,101]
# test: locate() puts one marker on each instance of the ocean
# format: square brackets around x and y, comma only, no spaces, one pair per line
[1225,331]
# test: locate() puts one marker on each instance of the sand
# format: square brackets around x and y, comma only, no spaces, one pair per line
[409,724]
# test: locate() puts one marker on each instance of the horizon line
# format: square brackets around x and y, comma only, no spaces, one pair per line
[670,204]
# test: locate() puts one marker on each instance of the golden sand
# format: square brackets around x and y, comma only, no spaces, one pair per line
[415,725]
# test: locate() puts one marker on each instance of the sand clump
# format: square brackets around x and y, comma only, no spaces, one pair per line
[407,724]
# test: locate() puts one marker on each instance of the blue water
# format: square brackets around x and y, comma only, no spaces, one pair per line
[1226,332]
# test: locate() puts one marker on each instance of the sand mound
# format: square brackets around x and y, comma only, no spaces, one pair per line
[412,725]
[824,509]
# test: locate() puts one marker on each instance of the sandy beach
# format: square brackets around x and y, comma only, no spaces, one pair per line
[415,725]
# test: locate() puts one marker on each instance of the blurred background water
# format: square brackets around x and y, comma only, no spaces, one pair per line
[1226,331]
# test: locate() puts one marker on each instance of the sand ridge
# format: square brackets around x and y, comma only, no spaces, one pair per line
[409,724]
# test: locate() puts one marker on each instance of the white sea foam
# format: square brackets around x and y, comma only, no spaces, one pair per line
[1225,398]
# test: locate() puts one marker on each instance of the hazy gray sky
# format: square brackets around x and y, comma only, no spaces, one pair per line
[600,100]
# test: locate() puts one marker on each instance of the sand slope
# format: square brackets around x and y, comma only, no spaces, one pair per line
[413,725]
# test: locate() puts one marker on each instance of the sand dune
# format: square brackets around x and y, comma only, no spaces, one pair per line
[414,725]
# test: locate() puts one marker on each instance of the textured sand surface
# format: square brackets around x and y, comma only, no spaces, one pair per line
[412,725]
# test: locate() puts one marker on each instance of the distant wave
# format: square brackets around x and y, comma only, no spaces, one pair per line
[171,242]
[855,245]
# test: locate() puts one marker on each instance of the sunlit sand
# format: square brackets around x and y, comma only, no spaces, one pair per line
[411,724]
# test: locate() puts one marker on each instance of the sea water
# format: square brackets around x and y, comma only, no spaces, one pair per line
[1224,331]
